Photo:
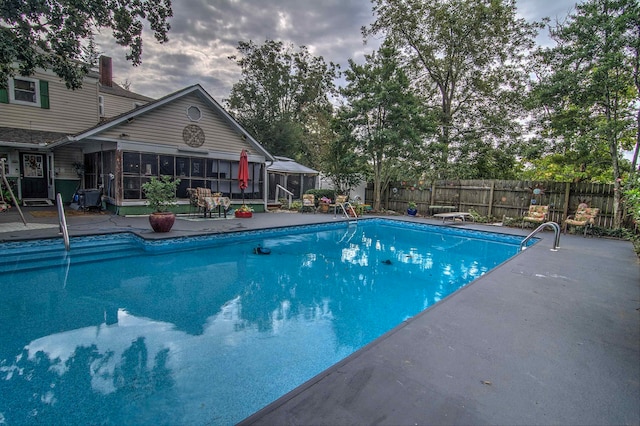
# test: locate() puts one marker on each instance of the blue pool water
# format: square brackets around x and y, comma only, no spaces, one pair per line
[202,330]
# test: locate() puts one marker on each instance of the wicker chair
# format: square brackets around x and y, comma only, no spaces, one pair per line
[308,203]
[201,195]
[536,214]
[584,216]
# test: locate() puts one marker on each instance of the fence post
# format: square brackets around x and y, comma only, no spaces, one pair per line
[493,185]
[567,194]
[433,193]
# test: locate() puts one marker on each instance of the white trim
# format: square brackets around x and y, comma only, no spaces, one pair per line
[193,151]
[151,148]
[101,105]
[51,176]
[12,94]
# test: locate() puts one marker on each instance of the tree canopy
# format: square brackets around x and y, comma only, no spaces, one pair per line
[383,119]
[468,59]
[586,97]
[282,97]
[56,34]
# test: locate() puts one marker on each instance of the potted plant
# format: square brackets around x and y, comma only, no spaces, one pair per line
[160,195]
[244,211]
[412,209]
[324,204]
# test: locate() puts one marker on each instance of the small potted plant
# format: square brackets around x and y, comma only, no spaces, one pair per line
[160,195]
[244,211]
[412,208]
[324,204]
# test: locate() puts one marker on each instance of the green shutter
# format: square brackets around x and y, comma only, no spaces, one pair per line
[4,96]
[44,94]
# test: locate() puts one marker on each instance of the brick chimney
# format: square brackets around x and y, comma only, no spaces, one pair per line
[106,72]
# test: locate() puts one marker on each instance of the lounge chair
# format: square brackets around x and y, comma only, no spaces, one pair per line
[308,203]
[584,216]
[536,214]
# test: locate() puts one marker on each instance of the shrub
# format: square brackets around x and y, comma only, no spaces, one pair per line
[160,193]
[319,193]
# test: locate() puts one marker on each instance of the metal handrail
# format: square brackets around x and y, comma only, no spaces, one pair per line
[13,197]
[556,241]
[63,222]
[344,207]
[286,191]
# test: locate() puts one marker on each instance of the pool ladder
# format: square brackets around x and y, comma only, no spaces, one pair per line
[63,222]
[348,207]
[556,241]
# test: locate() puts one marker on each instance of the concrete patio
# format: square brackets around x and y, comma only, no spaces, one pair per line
[547,338]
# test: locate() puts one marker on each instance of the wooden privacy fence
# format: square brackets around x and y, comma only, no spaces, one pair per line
[500,198]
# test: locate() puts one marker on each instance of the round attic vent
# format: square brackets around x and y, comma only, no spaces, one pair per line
[194,113]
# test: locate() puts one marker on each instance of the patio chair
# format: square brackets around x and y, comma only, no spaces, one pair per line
[585,216]
[203,195]
[308,203]
[340,200]
[536,214]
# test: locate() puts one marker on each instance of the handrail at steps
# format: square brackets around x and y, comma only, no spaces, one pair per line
[63,222]
[556,241]
[286,191]
[13,197]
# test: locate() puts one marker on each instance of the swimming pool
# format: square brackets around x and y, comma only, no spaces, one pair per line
[201,330]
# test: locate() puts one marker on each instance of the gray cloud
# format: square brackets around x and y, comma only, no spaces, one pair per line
[205,33]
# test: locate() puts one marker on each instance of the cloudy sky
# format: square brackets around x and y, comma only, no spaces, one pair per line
[204,33]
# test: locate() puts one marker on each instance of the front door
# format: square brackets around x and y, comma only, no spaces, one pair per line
[33,170]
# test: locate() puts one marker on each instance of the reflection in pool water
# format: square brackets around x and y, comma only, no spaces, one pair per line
[209,332]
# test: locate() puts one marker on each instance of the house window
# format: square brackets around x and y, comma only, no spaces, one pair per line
[194,113]
[24,91]
[101,105]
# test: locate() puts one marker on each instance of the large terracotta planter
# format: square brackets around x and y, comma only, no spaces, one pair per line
[243,214]
[162,222]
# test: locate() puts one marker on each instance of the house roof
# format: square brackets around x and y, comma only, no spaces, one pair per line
[288,166]
[120,91]
[10,136]
[195,89]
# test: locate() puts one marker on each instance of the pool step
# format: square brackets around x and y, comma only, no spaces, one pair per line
[27,257]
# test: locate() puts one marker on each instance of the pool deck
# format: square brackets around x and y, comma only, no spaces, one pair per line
[547,338]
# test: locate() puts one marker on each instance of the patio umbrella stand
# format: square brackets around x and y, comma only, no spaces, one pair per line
[243,182]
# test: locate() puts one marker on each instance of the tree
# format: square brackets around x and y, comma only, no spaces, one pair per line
[340,160]
[633,47]
[383,117]
[468,59]
[586,91]
[281,90]
[56,34]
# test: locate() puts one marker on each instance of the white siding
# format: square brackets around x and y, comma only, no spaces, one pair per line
[70,110]
[64,158]
[116,105]
[164,126]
